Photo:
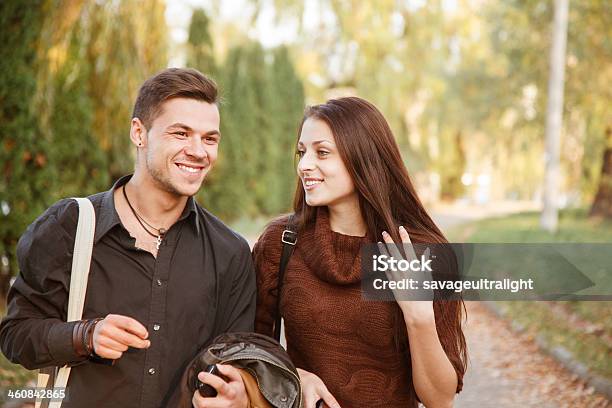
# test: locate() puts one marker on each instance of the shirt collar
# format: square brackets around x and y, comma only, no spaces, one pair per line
[108,216]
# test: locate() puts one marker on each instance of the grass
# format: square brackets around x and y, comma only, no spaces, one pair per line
[13,375]
[250,228]
[582,327]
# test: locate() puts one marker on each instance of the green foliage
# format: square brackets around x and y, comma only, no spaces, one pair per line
[25,181]
[262,104]
[69,73]
[78,162]
[200,51]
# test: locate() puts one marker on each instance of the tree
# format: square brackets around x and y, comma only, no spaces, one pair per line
[554,117]
[602,205]
[78,163]
[200,47]
[69,73]
[26,182]
[262,105]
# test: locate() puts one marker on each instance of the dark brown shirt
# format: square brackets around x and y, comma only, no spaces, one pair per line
[201,284]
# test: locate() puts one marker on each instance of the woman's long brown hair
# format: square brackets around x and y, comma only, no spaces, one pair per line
[387,198]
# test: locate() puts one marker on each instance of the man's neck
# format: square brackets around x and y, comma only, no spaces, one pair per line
[157,206]
[346,219]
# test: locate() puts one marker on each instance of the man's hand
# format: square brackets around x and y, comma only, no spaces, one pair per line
[231,394]
[113,335]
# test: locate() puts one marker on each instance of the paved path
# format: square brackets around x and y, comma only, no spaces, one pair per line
[507,370]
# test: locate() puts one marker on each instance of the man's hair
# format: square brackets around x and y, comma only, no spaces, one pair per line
[172,83]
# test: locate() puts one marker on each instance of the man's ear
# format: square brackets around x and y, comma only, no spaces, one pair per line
[138,133]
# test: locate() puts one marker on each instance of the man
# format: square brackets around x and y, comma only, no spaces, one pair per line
[166,276]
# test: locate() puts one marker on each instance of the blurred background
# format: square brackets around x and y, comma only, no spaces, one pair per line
[501,110]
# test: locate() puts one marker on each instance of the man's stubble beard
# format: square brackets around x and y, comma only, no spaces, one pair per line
[162,181]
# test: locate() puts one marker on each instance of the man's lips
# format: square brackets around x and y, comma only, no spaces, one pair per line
[190,168]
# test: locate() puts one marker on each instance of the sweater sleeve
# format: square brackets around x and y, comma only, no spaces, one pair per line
[266,257]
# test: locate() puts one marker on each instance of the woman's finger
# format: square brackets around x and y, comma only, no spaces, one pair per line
[310,400]
[329,398]
[391,247]
[407,243]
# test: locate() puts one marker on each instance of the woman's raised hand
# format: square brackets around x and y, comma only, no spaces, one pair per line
[413,310]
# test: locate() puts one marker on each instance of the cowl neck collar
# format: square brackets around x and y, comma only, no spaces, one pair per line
[332,256]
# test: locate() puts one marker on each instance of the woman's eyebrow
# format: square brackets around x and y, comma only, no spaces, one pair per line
[316,142]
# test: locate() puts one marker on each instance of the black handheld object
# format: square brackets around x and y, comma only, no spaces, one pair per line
[319,404]
[206,390]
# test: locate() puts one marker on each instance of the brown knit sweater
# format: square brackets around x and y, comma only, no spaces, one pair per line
[330,331]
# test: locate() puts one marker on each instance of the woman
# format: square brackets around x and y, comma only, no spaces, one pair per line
[354,189]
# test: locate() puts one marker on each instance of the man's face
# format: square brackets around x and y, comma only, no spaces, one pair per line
[182,145]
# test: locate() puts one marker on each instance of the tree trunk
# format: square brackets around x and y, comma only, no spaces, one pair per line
[554,117]
[602,205]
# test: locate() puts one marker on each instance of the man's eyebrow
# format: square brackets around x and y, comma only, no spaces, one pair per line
[190,129]
[179,125]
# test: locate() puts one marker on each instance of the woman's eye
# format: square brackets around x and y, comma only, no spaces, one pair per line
[300,153]
[323,153]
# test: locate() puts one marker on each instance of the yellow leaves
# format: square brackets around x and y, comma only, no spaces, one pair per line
[39,159]
[56,56]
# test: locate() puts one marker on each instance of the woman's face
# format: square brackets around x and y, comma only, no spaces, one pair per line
[324,176]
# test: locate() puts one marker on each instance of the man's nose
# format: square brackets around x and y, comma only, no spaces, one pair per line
[196,148]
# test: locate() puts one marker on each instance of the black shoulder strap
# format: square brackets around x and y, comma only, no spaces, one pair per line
[289,239]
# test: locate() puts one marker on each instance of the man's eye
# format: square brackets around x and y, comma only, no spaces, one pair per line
[211,139]
[181,134]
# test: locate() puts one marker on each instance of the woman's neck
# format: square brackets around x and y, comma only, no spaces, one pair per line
[346,219]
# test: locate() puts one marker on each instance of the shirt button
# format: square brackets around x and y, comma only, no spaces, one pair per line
[158,282]
[284,398]
[151,371]
[156,327]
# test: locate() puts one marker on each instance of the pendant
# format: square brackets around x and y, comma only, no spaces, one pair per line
[159,241]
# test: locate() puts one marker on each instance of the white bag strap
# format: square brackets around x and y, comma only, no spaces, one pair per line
[81,260]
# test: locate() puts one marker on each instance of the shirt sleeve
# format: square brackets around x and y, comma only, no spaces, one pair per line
[34,333]
[241,302]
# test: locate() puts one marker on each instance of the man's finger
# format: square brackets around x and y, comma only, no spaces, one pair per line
[131,325]
[127,338]
[105,352]
[214,381]
[110,343]
[230,372]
